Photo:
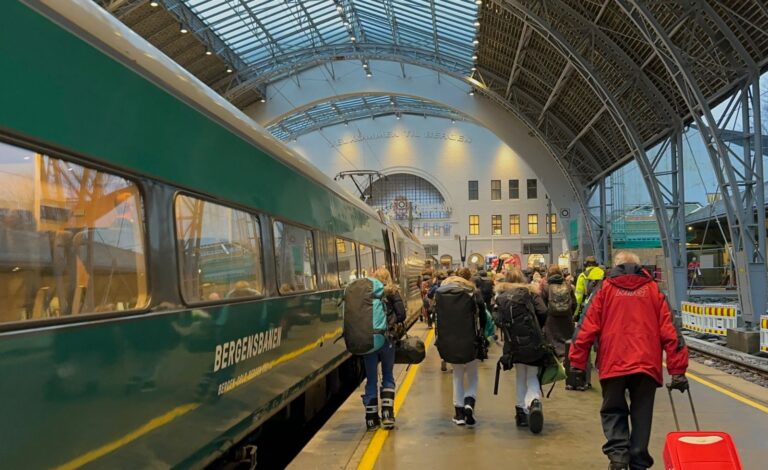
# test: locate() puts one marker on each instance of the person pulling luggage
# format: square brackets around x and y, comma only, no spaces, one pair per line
[460,339]
[521,313]
[633,321]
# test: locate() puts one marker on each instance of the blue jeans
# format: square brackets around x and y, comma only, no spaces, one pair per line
[385,355]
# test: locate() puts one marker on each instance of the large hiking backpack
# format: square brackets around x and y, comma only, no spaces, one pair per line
[365,316]
[457,323]
[523,339]
[559,296]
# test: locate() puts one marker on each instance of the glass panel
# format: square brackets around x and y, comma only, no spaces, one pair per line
[295,258]
[328,264]
[551,223]
[381,260]
[474,224]
[514,224]
[345,251]
[71,239]
[533,224]
[366,261]
[219,251]
[496,224]
[532,189]
[514,189]
[495,190]
[473,191]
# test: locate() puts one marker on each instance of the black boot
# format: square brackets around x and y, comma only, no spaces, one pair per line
[459,416]
[469,411]
[618,466]
[536,417]
[521,419]
[372,420]
[388,408]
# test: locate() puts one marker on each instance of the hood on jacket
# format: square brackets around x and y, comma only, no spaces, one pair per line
[555,279]
[594,273]
[508,286]
[629,276]
[458,280]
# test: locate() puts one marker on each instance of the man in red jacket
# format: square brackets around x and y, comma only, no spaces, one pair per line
[631,319]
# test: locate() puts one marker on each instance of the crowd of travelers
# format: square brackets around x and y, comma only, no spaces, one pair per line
[545,317]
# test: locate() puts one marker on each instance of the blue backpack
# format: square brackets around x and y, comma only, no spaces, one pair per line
[365,317]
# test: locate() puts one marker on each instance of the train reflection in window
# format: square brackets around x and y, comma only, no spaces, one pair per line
[219,251]
[71,239]
[295,258]
[366,261]
[345,251]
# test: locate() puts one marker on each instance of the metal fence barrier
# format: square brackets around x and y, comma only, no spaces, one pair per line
[712,318]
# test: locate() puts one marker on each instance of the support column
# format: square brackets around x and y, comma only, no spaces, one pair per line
[677,257]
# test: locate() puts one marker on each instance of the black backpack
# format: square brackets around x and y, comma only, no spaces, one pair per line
[486,289]
[524,341]
[457,323]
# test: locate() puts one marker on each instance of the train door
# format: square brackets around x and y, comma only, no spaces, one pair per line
[390,248]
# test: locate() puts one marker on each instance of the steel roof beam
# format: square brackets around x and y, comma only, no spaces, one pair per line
[522,46]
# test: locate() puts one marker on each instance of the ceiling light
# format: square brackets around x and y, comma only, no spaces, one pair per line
[471,92]
[183,30]
[368,74]
[208,52]
[263,100]
[474,69]
[229,69]
[476,42]
[478,2]
[477,24]
[346,124]
[153,4]
[453,121]
[397,116]
[352,38]
[365,66]
[474,57]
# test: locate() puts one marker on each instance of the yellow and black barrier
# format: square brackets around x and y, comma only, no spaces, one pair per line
[710,318]
[764,333]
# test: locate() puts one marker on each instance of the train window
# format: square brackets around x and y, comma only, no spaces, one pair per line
[366,261]
[295,258]
[381,259]
[328,265]
[71,239]
[345,251]
[219,251]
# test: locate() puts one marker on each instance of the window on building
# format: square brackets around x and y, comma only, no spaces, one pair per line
[533,224]
[345,251]
[496,225]
[495,190]
[219,251]
[474,225]
[473,191]
[532,189]
[514,224]
[514,189]
[551,223]
[71,239]
[294,258]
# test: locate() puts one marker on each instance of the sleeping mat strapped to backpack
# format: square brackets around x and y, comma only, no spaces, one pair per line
[365,318]
[457,323]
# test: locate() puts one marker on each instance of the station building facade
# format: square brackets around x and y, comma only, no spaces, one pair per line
[446,180]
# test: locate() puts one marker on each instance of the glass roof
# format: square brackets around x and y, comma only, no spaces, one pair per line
[359,107]
[262,30]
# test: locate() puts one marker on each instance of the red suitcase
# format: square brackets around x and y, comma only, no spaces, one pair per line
[699,450]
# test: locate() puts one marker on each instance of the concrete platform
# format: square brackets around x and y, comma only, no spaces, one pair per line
[572,438]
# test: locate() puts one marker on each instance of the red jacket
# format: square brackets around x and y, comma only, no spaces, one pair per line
[632,323]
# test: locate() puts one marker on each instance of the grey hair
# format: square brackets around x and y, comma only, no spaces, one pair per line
[625,257]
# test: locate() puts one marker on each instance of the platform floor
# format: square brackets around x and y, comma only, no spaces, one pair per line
[426,438]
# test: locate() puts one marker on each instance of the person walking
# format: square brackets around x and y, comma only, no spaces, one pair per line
[386,356]
[587,283]
[560,300]
[521,308]
[633,321]
[460,324]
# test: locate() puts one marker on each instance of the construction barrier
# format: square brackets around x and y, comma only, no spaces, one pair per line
[764,333]
[710,318]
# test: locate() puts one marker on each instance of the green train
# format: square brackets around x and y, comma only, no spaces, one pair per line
[170,275]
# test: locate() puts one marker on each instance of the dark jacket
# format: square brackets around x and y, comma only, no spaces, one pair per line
[631,318]
[395,304]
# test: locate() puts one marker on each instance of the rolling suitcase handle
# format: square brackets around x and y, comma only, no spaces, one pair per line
[674,412]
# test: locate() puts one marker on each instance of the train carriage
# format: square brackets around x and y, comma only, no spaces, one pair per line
[170,275]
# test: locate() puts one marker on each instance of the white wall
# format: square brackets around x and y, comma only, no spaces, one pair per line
[448,155]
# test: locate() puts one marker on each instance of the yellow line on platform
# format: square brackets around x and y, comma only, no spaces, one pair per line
[371,454]
[727,392]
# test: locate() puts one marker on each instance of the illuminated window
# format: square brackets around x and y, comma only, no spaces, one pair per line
[533,224]
[514,189]
[532,189]
[473,191]
[514,224]
[474,225]
[551,223]
[496,225]
[71,239]
[347,261]
[294,258]
[219,251]
[495,190]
